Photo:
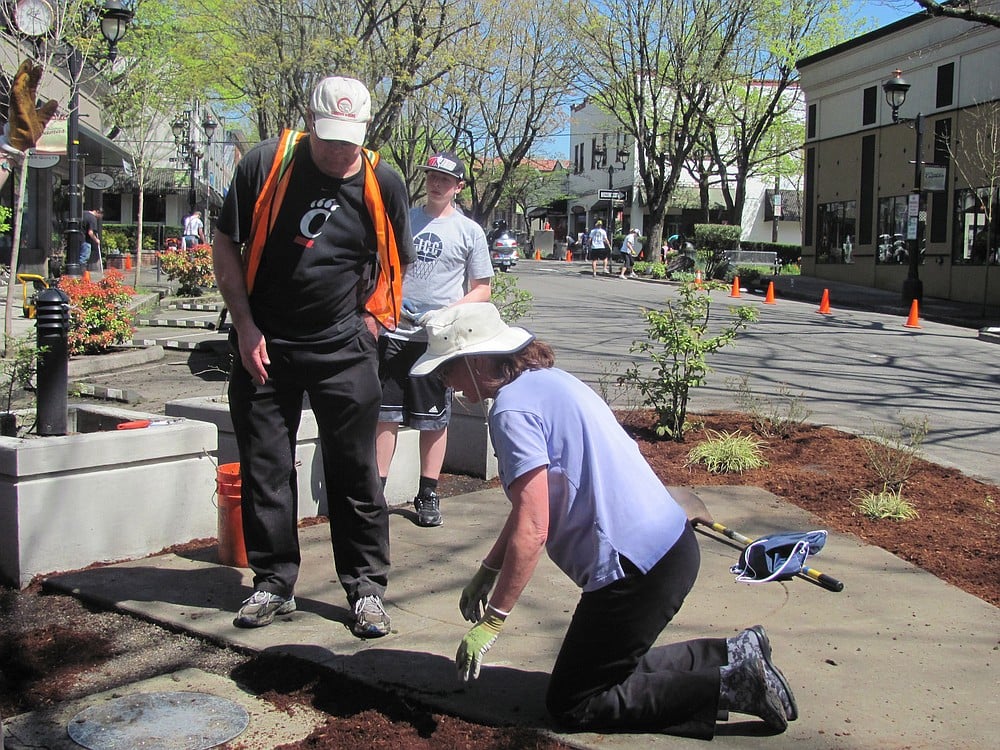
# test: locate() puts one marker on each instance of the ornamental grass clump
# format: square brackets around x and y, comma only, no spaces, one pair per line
[99,313]
[191,268]
[888,504]
[728,452]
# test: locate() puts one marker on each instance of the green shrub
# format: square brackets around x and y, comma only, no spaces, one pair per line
[714,243]
[728,452]
[100,318]
[513,302]
[771,419]
[892,450]
[677,344]
[192,268]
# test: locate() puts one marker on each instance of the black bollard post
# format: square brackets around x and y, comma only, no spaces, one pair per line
[51,332]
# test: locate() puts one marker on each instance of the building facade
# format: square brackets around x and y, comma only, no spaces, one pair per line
[869,198]
[603,160]
[106,175]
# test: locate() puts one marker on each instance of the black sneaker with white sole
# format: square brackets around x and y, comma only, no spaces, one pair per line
[428,508]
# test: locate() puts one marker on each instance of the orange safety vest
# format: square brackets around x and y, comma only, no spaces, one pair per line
[385,302]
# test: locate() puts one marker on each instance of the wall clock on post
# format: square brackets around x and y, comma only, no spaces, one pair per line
[33,17]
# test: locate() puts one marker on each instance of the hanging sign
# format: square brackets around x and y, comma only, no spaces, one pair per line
[934,178]
[98,181]
[42,161]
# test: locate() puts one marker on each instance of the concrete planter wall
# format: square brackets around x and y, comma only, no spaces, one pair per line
[404,474]
[102,494]
[469,448]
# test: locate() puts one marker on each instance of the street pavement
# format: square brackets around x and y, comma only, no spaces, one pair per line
[899,659]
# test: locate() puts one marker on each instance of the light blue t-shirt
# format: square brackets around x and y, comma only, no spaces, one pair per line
[604,499]
[451,252]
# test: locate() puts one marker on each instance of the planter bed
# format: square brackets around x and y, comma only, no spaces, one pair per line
[102,494]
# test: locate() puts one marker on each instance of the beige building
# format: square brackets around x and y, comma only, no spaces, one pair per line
[863,214]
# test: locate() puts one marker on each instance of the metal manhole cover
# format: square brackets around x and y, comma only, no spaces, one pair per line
[181,720]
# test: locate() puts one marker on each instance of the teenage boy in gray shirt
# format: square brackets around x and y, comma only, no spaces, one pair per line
[452,267]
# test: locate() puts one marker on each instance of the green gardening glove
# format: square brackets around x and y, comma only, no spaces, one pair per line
[476,594]
[476,643]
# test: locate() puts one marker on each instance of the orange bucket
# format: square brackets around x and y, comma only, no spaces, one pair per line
[232,549]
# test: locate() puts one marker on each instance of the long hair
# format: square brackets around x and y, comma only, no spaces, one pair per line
[505,368]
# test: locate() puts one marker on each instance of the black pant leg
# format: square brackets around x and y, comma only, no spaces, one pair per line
[345,394]
[266,420]
[606,676]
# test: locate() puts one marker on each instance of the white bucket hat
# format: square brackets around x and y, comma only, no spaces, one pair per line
[463,330]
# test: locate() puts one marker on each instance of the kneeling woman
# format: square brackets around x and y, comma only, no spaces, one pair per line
[579,487]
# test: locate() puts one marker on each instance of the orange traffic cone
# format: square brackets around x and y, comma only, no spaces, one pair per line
[736,287]
[824,304]
[86,275]
[913,321]
[538,254]
[128,261]
[769,297]
[569,257]
[697,278]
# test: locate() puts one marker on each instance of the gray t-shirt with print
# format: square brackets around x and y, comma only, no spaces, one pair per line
[451,252]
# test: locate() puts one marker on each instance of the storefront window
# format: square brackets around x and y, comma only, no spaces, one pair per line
[892,244]
[836,232]
[976,239]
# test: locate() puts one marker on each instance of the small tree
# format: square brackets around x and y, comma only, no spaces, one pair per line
[513,302]
[678,344]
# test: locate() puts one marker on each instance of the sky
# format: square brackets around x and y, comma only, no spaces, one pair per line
[876,13]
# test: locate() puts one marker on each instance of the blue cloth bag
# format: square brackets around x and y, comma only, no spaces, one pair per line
[777,557]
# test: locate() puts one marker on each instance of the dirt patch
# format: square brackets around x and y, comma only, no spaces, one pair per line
[53,648]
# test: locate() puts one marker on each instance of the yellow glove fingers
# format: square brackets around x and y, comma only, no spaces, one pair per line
[475,644]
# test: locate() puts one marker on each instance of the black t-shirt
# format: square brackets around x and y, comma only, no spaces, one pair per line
[316,270]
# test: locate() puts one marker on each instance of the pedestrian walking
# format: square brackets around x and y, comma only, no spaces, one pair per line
[629,250]
[324,256]
[452,267]
[194,230]
[580,489]
[600,248]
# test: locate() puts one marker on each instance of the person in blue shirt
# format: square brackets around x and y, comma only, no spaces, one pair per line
[612,527]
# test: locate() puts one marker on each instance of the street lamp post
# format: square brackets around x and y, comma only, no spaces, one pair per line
[895,94]
[208,126]
[190,152]
[115,20]
[600,153]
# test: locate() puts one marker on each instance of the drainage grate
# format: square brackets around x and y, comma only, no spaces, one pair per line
[181,720]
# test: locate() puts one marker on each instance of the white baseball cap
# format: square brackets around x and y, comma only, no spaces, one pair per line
[342,109]
[463,330]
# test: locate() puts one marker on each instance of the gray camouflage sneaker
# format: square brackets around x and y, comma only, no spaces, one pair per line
[370,619]
[428,508]
[259,610]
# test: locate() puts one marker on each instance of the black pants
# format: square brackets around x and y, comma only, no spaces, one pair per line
[606,677]
[344,394]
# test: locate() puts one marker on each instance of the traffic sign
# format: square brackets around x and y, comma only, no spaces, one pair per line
[610,195]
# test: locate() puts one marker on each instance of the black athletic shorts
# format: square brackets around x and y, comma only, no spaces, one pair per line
[422,403]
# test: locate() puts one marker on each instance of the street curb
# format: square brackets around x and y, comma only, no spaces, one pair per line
[89,365]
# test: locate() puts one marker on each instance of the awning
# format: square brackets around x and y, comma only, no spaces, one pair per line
[538,212]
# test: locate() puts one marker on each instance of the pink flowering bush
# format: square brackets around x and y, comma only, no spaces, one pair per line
[100,318]
[192,268]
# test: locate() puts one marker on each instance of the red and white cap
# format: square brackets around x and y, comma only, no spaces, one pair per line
[342,109]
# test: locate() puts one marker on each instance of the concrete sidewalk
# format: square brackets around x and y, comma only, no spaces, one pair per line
[899,659]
